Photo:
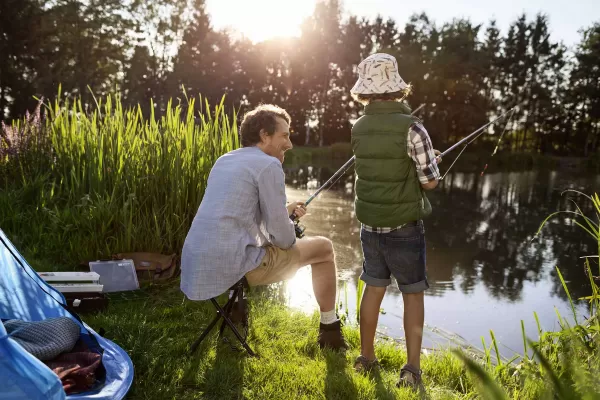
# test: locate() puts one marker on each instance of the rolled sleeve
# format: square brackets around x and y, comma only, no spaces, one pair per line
[420,150]
[271,193]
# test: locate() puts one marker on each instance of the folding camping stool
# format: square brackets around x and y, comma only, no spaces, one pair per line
[225,313]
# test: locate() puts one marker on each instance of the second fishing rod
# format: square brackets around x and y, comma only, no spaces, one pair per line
[299,229]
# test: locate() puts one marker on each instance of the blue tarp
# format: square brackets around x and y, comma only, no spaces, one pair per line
[26,296]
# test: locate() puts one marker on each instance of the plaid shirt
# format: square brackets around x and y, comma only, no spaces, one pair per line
[420,149]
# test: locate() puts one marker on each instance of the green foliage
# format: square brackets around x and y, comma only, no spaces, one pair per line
[110,180]
[565,364]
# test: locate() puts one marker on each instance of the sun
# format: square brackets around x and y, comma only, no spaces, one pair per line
[260,20]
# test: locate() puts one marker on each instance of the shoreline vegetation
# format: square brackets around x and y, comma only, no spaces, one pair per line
[81,185]
[472,160]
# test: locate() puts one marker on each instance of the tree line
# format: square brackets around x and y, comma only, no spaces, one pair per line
[154,51]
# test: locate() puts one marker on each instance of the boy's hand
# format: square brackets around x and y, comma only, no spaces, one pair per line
[297,208]
[438,159]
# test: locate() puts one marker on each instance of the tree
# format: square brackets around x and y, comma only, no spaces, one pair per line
[85,45]
[203,62]
[585,91]
[19,25]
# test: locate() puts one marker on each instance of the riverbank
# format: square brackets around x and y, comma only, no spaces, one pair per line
[156,327]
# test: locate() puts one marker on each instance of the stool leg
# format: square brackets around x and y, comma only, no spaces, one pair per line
[228,308]
[233,328]
[204,334]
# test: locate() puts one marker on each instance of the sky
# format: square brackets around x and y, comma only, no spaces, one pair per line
[264,19]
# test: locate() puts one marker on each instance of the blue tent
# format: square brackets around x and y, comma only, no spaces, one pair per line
[26,296]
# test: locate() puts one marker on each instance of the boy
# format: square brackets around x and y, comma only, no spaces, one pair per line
[395,162]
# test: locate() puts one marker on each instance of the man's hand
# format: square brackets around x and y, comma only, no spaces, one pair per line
[297,208]
[438,159]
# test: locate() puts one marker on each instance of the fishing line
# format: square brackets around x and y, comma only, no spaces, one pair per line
[341,172]
[480,131]
[499,140]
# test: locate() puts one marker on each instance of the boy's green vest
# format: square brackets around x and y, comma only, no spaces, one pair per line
[388,191]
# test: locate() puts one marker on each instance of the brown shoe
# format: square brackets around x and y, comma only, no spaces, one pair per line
[364,365]
[411,377]
[330,336]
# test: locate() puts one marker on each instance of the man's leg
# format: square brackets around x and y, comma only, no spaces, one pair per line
[318,253]
[279,264]
[414,316]
[369,316]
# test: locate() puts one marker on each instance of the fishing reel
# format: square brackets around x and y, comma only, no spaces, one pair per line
[298,227]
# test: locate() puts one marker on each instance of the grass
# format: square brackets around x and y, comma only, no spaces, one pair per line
[79,185]
[158,325]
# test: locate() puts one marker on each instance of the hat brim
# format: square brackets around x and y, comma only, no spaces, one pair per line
[364,86]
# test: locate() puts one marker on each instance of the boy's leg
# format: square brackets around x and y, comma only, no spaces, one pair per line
[369,316]
[377,277]
[404,251]
[414,318]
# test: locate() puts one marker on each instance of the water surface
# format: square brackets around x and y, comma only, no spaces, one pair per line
[485,268]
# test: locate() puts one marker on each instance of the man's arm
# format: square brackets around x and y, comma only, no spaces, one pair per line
[271,193]
[422,152]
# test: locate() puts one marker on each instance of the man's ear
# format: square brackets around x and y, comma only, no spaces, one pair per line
[263,135]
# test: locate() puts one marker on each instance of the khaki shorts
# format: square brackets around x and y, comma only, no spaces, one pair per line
[277,265]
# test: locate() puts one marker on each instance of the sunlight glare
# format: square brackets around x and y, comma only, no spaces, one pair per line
[299,292]
[260,20]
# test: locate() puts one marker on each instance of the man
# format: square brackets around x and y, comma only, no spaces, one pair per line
[243,227]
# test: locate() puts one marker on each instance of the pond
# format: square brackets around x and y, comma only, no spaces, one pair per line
[486,268]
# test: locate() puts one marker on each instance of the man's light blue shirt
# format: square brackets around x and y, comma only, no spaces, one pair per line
[243,210]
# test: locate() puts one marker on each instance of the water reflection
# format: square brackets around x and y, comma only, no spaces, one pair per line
[482,229]
[480,239]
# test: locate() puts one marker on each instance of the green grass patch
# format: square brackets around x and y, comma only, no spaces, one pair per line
[157,325]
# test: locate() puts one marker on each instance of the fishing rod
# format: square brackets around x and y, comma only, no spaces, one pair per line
[299,229]
[455,145]
[341,171]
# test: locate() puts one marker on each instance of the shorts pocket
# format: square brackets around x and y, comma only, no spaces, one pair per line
[405,256]
[403,235]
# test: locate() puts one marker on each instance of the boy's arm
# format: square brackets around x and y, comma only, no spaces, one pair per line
[271,194]
[422,152]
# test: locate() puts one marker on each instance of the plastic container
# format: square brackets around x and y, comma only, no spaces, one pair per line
[116,275]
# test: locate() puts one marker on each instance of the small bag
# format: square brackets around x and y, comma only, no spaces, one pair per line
[151,266]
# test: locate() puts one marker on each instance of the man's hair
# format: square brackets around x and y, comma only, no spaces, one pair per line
[393,96]
[264,117]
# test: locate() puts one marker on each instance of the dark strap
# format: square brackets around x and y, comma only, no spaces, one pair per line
[409,368]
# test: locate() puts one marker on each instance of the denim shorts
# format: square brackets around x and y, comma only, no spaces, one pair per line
[399,253]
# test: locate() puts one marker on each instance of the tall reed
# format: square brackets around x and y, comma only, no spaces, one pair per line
[113,179]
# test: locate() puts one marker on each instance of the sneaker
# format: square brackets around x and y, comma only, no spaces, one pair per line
[330,336]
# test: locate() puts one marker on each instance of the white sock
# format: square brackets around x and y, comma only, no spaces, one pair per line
[328,317]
